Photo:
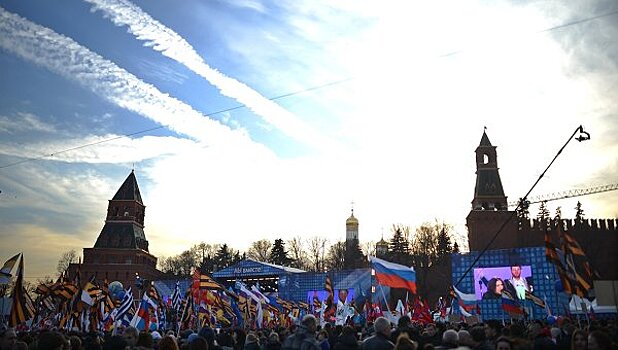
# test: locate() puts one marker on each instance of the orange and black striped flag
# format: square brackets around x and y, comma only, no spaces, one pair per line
[20,312]
[65,291]
[317,304]
[552,255]
[330,305]
[188,308]
[577,266]
[206,282]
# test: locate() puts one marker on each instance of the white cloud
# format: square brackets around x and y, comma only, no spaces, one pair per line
[172,45]
[101,149]
[23,121]
[66,57]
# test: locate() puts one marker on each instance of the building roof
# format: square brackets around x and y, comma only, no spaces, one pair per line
[249,267]
[122,235]
[485,140]
[352,219]
[488,184]
[129,191]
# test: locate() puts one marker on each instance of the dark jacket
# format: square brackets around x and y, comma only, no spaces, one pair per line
[377,342]
[301,340]
[347,342]
[272,345]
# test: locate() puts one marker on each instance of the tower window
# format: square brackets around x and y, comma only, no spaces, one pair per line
[485,158]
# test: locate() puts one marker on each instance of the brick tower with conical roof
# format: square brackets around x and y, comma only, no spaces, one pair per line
[120,253]
[489,205]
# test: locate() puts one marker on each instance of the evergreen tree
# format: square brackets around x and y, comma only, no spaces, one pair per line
[278,254]
[543,216]
[455,248]
[398,244]
[579,213]
[558,215]
[354,257]
[444,247]
[226,257]
[398,247]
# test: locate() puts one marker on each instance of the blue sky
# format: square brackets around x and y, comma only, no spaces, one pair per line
[396,136]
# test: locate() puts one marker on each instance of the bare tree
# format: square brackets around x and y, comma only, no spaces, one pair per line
[369,248]
[296,248]
[316,246]
[335,259]
[205,250]
[259,250]
[424,246]
[66,259]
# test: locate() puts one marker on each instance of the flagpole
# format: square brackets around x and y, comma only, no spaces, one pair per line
[384,296]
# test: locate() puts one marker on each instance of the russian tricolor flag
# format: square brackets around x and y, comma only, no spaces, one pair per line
[141,319]
[466,302]
[394,275]
[510,305]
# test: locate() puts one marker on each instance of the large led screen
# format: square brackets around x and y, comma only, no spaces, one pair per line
[490,282]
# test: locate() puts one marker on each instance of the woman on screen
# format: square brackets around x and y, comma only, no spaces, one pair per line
[494,288]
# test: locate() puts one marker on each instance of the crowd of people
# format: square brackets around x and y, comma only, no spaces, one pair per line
[309,335]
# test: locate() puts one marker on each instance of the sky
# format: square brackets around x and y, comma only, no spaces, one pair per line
[255,119]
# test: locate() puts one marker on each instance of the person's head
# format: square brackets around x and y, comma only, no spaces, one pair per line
[115,343]
[251,338]
[168,343]
[20,345]
[382,326]
[405,343]
[493,329]
[51,341]
[579,340]
[76,342]
[496,285]
[208,334]
[478,334]
[8,337]
[504,343]
[144,339]
[599,340]
[130,336]
[273,338]
[310,322]
[465,339]
[322,335]
[450,337]
[156,336]
[199,343]
[404,321]
[429,330]
[516,271]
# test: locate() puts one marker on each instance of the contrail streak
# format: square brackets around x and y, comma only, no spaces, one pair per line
[172,45]
[66,57]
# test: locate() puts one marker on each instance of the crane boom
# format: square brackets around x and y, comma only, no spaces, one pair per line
[569,194]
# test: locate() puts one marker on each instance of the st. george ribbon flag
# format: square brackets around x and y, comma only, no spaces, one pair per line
[394,275]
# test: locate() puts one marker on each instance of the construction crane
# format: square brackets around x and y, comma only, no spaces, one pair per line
[568,194]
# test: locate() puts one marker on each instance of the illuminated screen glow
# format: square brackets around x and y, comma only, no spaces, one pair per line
[483,280]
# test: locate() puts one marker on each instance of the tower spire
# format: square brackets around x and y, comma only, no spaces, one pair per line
[488,192]
[124,224]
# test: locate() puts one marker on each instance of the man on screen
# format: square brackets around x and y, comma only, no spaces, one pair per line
[518,285]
